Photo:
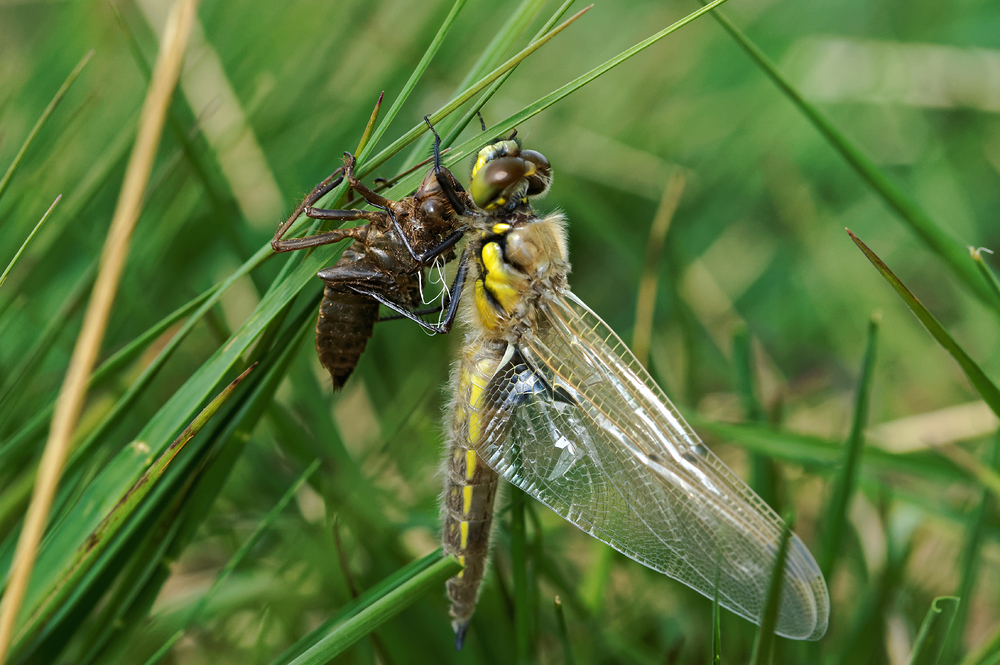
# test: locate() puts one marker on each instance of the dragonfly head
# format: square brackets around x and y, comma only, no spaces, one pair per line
[505,175]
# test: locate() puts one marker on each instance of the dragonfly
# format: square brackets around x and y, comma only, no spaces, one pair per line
[387,261]
[549,398]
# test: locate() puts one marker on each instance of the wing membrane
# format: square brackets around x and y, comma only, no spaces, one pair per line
[603,447]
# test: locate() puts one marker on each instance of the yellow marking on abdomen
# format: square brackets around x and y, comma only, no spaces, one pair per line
[501,228]
[464,543]
[461,560]
[466,499]
[470,463]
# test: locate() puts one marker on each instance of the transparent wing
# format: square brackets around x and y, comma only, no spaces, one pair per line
[579,424]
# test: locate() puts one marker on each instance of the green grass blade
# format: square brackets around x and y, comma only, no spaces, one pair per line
[940,241]
[763,646]
[843,488]
[42,119]
[969,563]
[128,353]
[234,561]
[384,587]
[98,540]
[762,473]
[567,647]
[983,385]
[190,493]
[83,194]
[823,454]
[503,40]
[467,117]
[415,76]
[446,110]
[519,571]
[716,658]
[473,145]
[988,652]
[27,241]
[986,272]
[14,386]
[377,606]
[934,630]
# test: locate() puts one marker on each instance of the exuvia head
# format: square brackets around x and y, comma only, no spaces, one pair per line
[505,175]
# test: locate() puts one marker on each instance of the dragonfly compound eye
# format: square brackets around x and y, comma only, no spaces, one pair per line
[497,183]
[539,181]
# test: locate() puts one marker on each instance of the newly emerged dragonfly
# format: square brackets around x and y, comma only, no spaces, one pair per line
[549,398]
[386,262]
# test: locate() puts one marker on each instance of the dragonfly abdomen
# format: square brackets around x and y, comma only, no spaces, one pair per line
[346,322]
[469,493]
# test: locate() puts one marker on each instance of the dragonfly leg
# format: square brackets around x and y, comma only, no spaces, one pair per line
[439,172]
[454,296]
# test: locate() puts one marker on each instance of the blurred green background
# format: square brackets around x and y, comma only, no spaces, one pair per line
[275,92]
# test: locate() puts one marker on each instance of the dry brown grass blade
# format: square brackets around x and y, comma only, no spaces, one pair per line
[116,247]
[643,334]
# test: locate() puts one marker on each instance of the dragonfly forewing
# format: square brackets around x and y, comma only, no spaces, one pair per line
[575,421]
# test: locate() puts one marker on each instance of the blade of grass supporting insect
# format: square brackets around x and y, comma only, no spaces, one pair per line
[937,238]
[934,630]
[234,561]
[411,83]
[473,144]
[27,241]
[376,607]
[763,646]
[70,402]
[42,119]
[843,488]
[519,572]
[414,133]
[969,563]
[763,475]
[502,41]
[473,110]
[986,388]
[986,272]
[567,647]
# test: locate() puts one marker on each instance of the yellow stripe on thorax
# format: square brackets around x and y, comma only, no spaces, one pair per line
[501,283]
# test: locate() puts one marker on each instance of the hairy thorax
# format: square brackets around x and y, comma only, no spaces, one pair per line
[520,260]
